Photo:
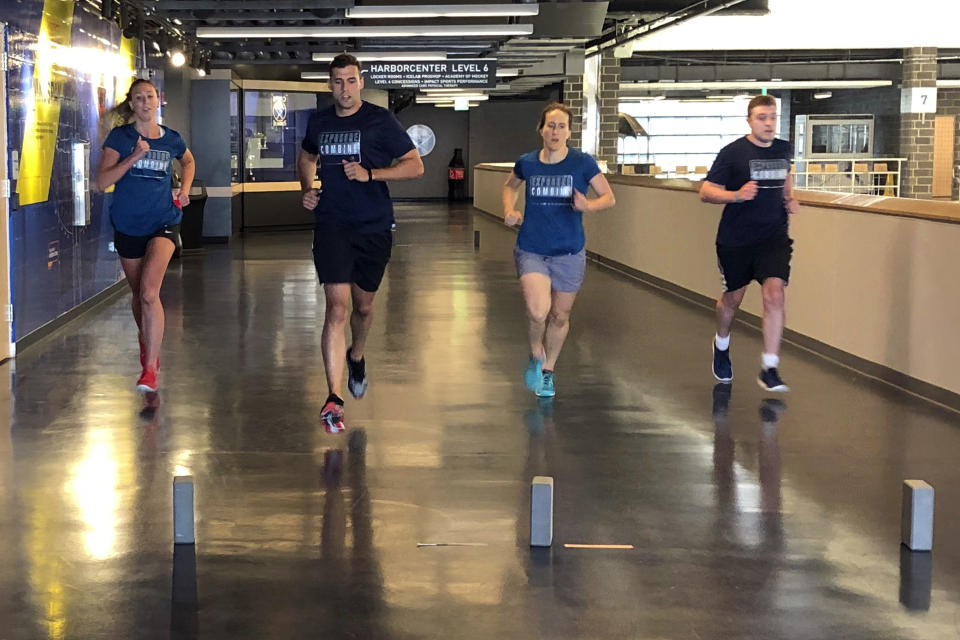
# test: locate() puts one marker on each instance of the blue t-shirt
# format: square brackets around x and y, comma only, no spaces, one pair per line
[551,226]
[765,216]
[373,137]
[142,199]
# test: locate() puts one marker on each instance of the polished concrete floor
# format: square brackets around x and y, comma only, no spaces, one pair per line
[748,518]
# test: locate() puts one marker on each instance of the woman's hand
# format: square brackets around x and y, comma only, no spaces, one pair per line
[580,202]
[182,197]
[140,150]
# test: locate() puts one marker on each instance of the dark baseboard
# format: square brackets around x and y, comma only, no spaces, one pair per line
[880,372]
[101,299]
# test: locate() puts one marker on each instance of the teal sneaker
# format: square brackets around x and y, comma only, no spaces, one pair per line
[546,389]
[533,376]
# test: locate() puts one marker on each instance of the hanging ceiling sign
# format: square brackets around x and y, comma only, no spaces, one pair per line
[474,73]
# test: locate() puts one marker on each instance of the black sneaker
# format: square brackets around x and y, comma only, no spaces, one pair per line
[769,380]
[722,369]
[356,376]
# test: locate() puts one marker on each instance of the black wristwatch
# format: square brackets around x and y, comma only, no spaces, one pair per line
[370,173]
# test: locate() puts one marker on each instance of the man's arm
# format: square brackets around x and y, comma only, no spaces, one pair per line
[788,200]
[306,170]
[717,194]
[407,167]
[307,173]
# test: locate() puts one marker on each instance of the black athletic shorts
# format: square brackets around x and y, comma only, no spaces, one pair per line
[136,246]
[767,259]
[343,256]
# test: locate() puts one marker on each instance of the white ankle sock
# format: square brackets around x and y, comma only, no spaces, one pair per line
[722,343]
[770,361]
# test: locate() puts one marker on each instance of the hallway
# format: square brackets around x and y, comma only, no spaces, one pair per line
[748,519]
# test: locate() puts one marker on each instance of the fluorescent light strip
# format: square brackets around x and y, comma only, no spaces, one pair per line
[754,84]
[507,73]
[444,11]
[314,75]
[460,31]
[948,83]
[373,56]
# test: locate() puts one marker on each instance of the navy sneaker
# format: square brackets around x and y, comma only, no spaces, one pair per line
[769,380]
[722,369]
[356,376]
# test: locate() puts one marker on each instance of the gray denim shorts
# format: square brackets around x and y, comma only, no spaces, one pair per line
[565,272]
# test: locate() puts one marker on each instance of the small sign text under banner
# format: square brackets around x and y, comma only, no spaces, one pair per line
[474,73]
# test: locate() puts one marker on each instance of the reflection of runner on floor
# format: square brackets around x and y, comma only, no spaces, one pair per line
[751,177]
[550,254]
[356,143]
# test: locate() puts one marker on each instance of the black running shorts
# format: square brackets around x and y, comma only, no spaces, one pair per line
[767,259]
[345,256]
[134,247]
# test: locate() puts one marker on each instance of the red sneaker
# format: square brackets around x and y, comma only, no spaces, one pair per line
[148,380]
[332,417]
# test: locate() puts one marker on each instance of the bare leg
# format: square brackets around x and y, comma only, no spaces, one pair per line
[333,340]
[536,296]
[152,268]
[727,307]
[360,320]
[774,314]
[558,325]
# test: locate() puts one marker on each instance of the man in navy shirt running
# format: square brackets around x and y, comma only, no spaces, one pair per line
[751,176]
[356,144]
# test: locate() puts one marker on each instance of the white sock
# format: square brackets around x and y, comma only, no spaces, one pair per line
[722,343]
[770,361]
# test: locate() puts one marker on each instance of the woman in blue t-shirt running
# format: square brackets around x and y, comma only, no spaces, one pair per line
[137,158]
[550,254]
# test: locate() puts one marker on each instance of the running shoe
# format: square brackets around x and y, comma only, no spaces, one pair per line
[533,376]
[332,417]
[356,376]
[722,369]
[148,380]
[769,380]
[546,387]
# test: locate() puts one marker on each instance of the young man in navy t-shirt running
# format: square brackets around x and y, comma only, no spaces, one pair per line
[356,143]
[751,176]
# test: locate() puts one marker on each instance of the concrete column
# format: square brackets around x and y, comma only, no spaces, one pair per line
[609,108]
[210,145]
[916,129]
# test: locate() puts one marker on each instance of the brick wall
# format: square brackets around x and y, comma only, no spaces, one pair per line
[573,100]
[609,109]
[916,129]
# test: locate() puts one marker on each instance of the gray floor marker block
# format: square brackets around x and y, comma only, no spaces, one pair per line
[183,510]
[541,511]
[916,522]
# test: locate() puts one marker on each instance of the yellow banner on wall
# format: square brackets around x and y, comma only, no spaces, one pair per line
[43,121]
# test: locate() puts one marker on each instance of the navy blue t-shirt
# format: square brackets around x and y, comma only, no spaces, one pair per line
[551,226]
[765,216]
[142,199]
[373,137]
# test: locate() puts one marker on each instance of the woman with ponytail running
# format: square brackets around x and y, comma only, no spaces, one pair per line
[137,158]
